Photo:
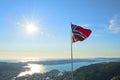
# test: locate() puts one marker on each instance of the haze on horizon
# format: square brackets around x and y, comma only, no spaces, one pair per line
[39,29]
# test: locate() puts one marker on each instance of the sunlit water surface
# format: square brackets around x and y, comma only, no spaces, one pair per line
[39,68]
[32,68]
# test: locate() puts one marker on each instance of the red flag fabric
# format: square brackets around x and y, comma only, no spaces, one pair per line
[79,33]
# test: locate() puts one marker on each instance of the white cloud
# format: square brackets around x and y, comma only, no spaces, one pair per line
[114,25]
[97,35]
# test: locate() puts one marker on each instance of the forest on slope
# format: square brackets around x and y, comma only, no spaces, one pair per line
[100,71]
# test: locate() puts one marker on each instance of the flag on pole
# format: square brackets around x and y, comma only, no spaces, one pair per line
[79,33]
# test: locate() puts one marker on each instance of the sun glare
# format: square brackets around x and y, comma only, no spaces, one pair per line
[29,59]
[33,68]
[31,28]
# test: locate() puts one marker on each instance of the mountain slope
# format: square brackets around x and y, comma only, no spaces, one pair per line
[100,71]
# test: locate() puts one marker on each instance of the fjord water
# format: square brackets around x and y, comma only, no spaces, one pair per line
[39,66]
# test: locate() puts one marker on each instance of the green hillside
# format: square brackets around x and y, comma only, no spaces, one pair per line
[100,71]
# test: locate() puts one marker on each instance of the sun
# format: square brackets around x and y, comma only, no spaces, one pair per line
[31,28]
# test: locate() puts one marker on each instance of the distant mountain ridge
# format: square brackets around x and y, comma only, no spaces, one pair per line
[60,61]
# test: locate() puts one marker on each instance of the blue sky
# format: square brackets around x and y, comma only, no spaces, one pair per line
[52,38]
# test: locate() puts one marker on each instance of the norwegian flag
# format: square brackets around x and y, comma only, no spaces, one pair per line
[79,33]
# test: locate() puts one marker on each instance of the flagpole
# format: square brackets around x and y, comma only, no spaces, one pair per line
[71,54]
